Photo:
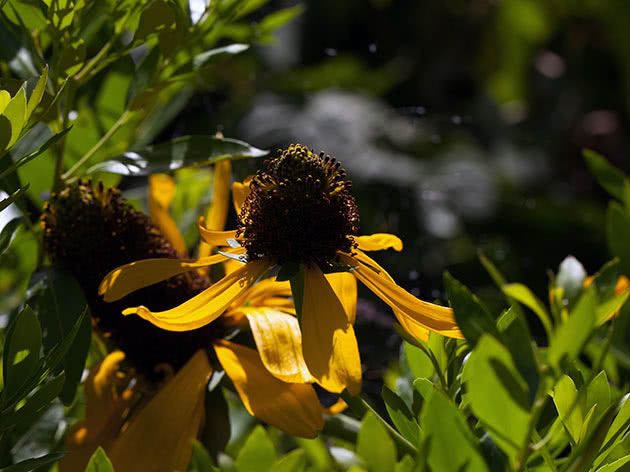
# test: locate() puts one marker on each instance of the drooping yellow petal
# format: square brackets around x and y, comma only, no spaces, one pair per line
[217,213]
[159,436]
[279,342]
[433,317]
[161,193]
[292,407]
[213,237]
[345,286]
[240,191]
[328,342]
[209,304]
[139,274]
[265,289]
[104,415]
[379,242]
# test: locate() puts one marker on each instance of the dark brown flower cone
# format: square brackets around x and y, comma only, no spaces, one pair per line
[91,230]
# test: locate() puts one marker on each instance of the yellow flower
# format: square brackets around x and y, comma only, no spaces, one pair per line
[133,426]
[299,211]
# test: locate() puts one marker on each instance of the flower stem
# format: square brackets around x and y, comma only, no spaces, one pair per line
[360,406]
[88,155]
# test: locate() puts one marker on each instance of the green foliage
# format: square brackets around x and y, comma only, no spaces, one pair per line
[99,462]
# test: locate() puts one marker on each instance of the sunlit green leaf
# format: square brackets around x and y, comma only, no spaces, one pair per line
[418,361]
[99,462]
[619,424]
[498,395]
[258,454]
[401,416]
[452,446]
[518,340]
[201,460]
[569,338]
[180,152]
[278,18]
[525,296]
[565,397]
[472,318]
[372,433]
[15,112]
[36,97]
[294,461]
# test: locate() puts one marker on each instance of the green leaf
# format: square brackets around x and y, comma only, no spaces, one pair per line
[570,337]
[614,466]
[32,155]
[201,460]
[160,18]
[6,235]
[297,291]
[424,387]
[620,423]
[13,197]
[565,397]
[60,303]
[294,461]
[598,399]
[452,446]
[206,59]
[618,234]
[258,454]
[407,464]
[216,432]
[21,354]
[15,112]
[608,176]
[99,462]
[180,152]
[401,416]
[71,59]
[570,278]
[418,361]
[32,464]
[36,404]
[287,271]
[518,340]
[144,76]
[498,395]
[471,317]
[317,453]
[525,296]
[375,446]
[38,93]
[278,18]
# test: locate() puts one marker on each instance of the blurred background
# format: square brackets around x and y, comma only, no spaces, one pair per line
[460,122]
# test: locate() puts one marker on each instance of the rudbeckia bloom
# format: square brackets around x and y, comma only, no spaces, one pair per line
[163,385]
[299,213]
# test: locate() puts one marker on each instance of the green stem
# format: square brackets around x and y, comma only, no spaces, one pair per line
[65,106]
[88,155]
[360,406]
[539,405]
